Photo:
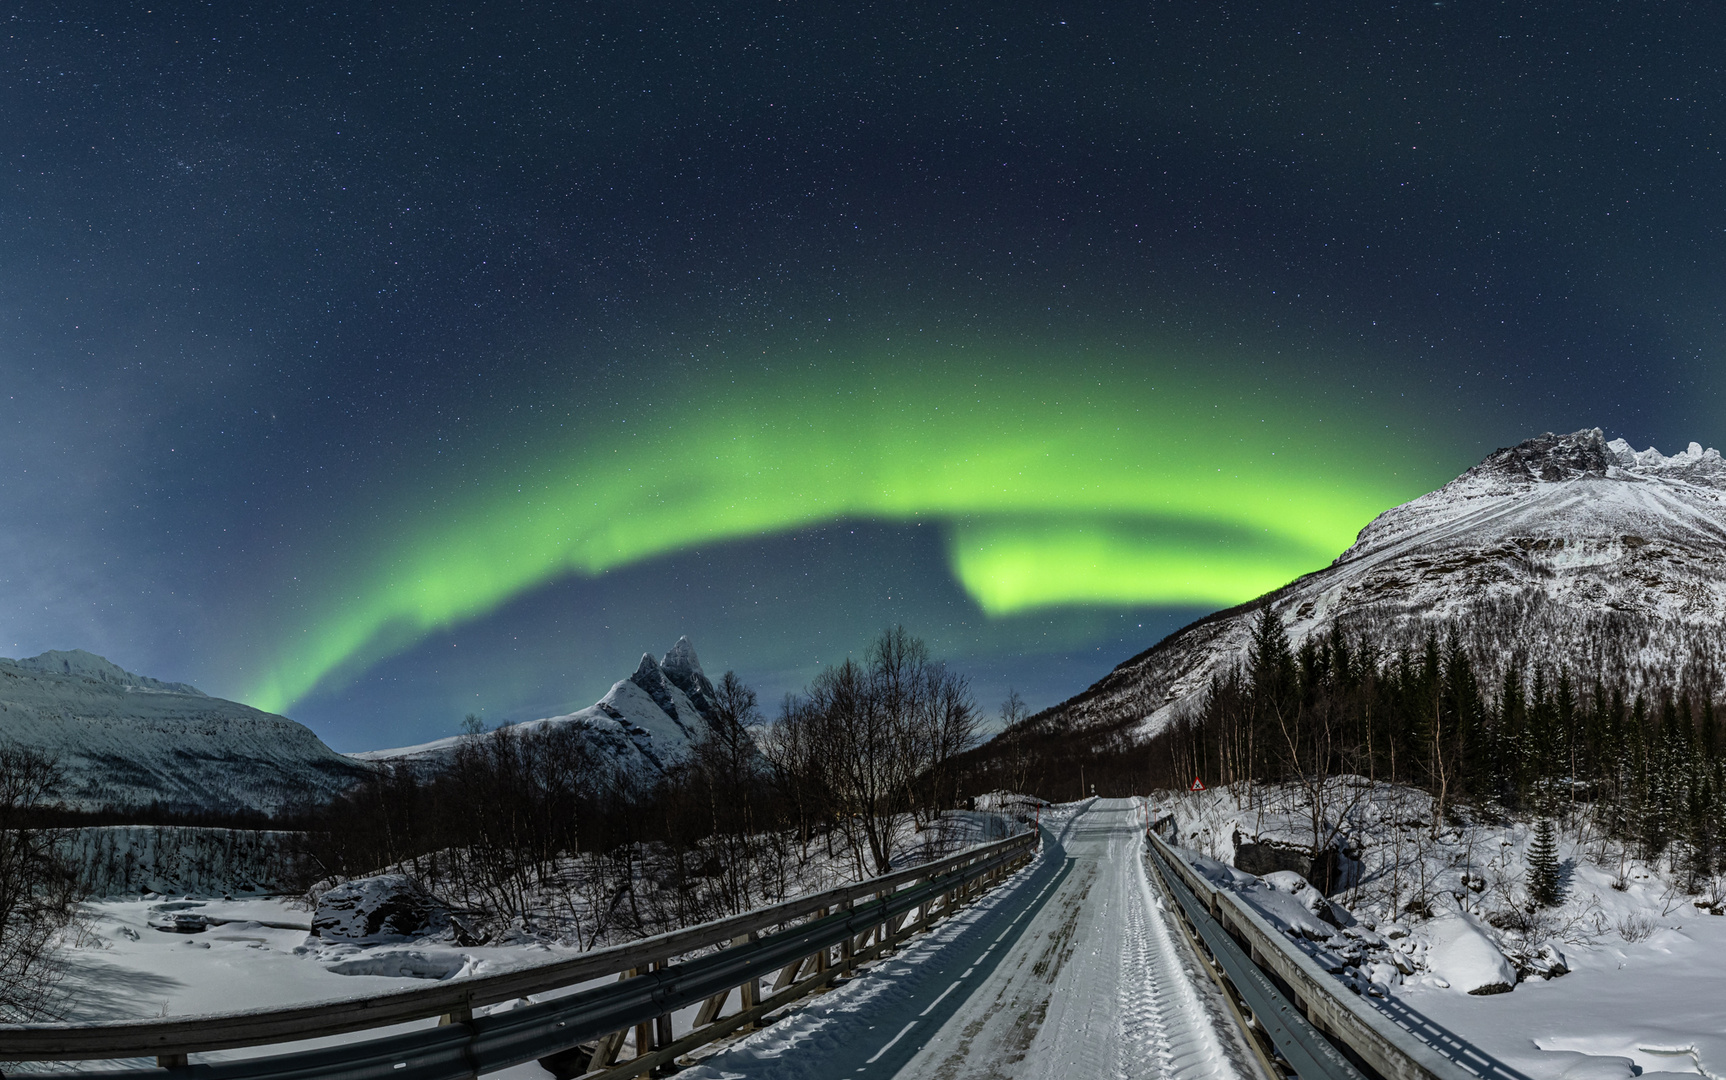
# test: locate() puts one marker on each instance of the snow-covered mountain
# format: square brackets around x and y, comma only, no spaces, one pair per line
[128,740]
[1564,549]
[643,724]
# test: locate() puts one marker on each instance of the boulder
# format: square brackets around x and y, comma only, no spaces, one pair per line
[388,907]
[1465,955]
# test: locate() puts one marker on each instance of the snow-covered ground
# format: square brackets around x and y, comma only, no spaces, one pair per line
[1646,964]
[120,963]
[1070,969]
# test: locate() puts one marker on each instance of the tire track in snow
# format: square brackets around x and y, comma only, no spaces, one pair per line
[1096,985]
[1070,970]
[1173,1024]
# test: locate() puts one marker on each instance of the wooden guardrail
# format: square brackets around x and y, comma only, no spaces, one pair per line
[1388,1050]
[845,926]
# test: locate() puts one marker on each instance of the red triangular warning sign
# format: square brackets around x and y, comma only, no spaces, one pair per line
[1198,785]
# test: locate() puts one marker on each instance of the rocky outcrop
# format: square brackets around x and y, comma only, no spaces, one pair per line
[388,907]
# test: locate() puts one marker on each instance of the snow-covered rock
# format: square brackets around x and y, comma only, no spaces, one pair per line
[388,907]
[1561,548]
[643,724]
[1463,954]
[128,740]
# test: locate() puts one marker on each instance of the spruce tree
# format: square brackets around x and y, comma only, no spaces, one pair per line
[1543,865]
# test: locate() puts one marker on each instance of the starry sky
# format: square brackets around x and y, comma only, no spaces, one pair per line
[382,363]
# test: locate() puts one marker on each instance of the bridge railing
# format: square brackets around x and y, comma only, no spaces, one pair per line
[1296,1003]
[802,944]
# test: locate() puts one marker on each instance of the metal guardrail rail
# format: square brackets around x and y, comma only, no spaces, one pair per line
[1254,956]
[859,922]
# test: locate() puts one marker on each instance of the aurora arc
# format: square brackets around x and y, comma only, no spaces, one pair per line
[1072,487]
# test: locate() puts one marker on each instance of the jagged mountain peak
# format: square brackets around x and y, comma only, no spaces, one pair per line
[648,672]
[644,724]
[681,659]
[1548,458]
[1566,487]
[683,670]
[1692,464]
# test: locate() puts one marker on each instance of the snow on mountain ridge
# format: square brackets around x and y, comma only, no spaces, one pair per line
[1564,550]
[1548,459]
[127,740]
[645,723]
[90,666]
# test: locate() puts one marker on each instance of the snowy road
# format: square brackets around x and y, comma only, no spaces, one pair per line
[1069,970]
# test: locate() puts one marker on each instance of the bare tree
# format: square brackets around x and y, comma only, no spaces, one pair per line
[950,730]
[792,747]
[38,887]
[871,741]
[1013,713]
[861,747]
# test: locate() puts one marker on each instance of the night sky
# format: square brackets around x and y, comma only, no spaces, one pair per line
[378,364]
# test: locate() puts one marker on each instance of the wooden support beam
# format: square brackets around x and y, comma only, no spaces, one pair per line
[606,1050]
[695,1039]
[711,1008]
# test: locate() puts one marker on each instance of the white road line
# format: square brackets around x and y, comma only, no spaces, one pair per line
[889,1046]
[937,1001]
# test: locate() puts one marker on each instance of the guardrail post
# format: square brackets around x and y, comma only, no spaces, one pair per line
[823,959]
[643,1030]
[461,1014]
[751,990]
[663,1022]
[172,1061]
[847,948]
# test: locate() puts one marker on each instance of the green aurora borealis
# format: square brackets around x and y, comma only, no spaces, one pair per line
[1056,484]
[385,364]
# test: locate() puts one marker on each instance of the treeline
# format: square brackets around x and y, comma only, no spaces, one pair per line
[531,825]
[1540,740]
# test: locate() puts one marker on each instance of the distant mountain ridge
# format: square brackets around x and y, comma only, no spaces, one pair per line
[90,666]
[644,724]
[1561,550]
[127,740]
